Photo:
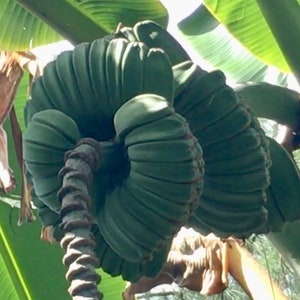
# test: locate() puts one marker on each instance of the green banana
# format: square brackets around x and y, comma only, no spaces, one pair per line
[119,238]
[234,199]
[69,85]
[179,192]
[248,162]
[285,182]
[167,171]
[135,112]
[124,90]
[223,212]
[114,264]
[238,145]
[113,68]
[184,73]
[163,206]
[158,74]
[152,268]
[138,210]
[148,151]
[82,80]
[196,224]
[272,102]
[239,226]
[276,221]
[46,189]
[31,107]
[146,71]
[53,88]
[234,123]
[48,136]
[131,204]
[114,222]
[154,36]
[110,261]
[232,142]
[133,70]
[127,33]
[90,66]
[215,109]
[51,132]
[201,86]
[174,127]
[241,183]
[45,168]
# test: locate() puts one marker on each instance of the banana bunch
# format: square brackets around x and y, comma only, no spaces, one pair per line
[235,152]
[235,149]
[159,117]
[154,192]
[116,90]
[91,82]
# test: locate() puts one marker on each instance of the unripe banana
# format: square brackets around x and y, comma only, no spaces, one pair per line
[154,36]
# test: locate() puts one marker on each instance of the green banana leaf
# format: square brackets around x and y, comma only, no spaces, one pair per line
[245,21]
[20,30]
[32,269]
[219,50]
[73,20]
[287,243]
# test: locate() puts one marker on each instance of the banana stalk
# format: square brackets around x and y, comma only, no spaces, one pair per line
[78,241]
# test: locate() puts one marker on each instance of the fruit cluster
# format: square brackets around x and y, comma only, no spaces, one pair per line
[160,117]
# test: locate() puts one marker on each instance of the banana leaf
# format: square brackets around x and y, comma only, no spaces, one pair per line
[287,242]
[76,21]
[32,269]
[246,22]
[218,49]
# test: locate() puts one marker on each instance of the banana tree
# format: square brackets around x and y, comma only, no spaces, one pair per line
[73,76]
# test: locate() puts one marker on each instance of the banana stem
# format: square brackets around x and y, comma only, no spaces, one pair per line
[254,280]
[78,241]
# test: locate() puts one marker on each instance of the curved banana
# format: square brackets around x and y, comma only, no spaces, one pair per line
[285,183]
[155,36]
[48,136]
[113,71]
[272,102]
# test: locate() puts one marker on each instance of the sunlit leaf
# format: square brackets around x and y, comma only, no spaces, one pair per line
[220,51]
[201,16]
[20,30]
[74,20]
[246,22]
